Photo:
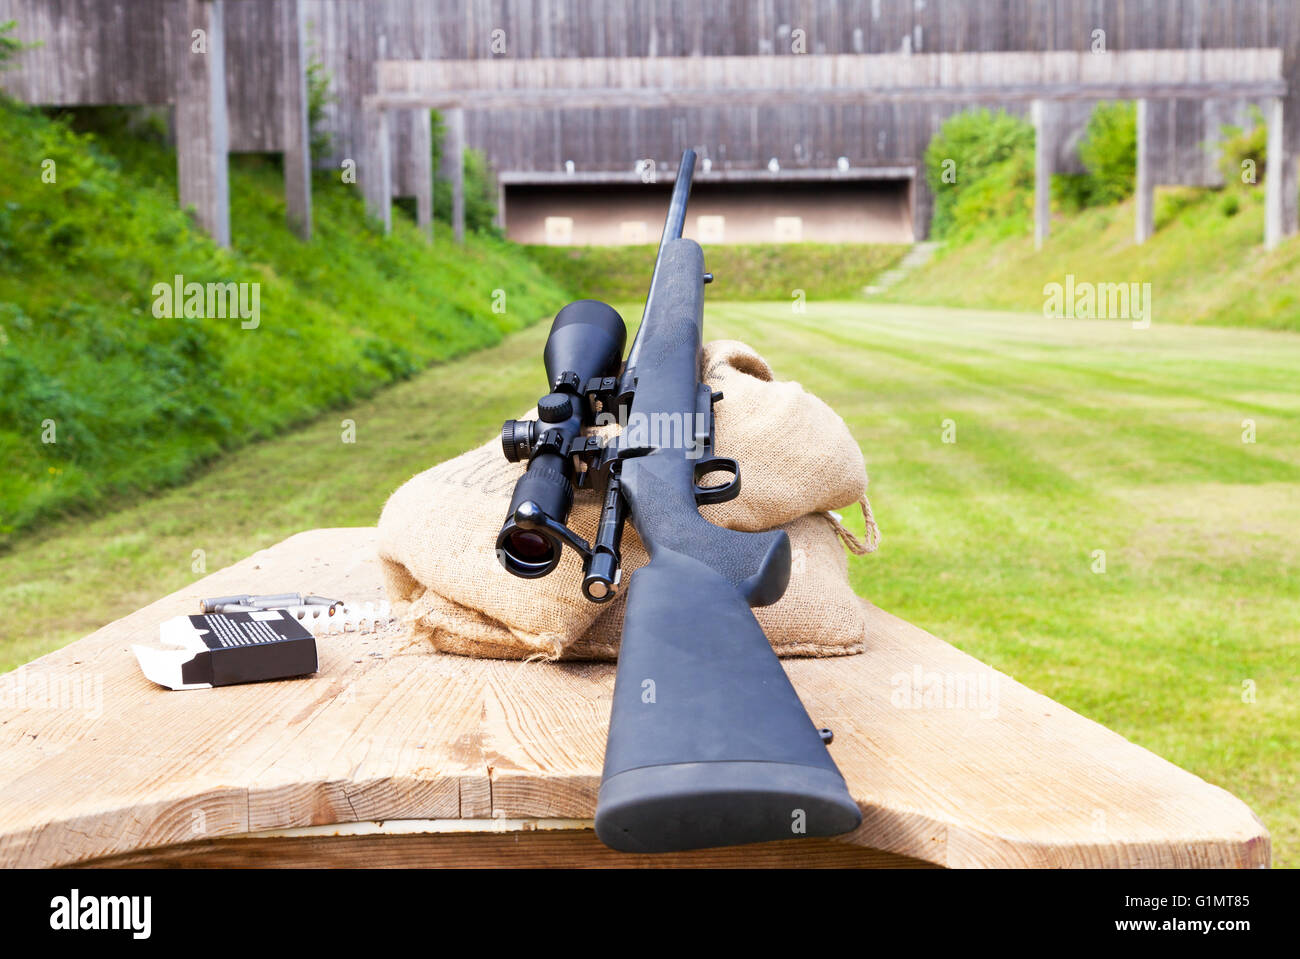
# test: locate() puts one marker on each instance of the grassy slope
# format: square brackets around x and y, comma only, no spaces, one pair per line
[139,401]
[759,272]
[1203,265]
[1071,437]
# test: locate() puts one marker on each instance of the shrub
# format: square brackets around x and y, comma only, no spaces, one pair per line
[1240,146]
[978,166]
[1109,153]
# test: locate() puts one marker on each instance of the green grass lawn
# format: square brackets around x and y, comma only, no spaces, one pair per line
[1071,437]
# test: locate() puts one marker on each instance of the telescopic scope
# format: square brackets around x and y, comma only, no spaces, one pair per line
[585,344]
[583,357]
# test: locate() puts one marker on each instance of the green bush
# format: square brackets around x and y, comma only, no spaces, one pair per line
[1240,145]
[979,167]
[1109,153]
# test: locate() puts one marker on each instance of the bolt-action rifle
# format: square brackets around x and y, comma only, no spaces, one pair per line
[708,743]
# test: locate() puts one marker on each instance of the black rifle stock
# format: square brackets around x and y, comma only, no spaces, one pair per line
[708,742]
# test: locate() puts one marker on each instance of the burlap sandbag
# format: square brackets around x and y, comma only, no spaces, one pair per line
[798,460]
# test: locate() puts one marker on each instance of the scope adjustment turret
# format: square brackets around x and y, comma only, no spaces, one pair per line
[554,408]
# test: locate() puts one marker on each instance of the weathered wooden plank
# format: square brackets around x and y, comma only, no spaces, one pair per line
[852,174]
[419,166]
[257,41]
[388,730]
[709,81]
[91,52]
[1287,173]
[657,98]
[493,845]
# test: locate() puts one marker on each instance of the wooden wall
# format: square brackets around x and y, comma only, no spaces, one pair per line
[120,51]
[125,58]
[248,97]
[343,33]
[255,80]
[95,53]
[90,52]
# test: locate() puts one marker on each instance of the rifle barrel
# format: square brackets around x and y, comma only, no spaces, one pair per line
[676,218]
[674,223]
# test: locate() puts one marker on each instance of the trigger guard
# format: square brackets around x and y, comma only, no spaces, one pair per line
[716,494]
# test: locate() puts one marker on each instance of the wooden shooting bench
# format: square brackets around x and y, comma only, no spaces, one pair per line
[393,755]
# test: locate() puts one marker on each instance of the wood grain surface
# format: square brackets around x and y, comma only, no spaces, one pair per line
[952,763]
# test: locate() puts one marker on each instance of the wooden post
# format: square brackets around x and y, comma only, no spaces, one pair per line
[297,134]
[1146,187]
[376,170]
[1290,174]
[1043,151]
[921,200]
[422,170]
[500,219]
[202,133]
[1275,182]
[1290,196]
[453,158]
